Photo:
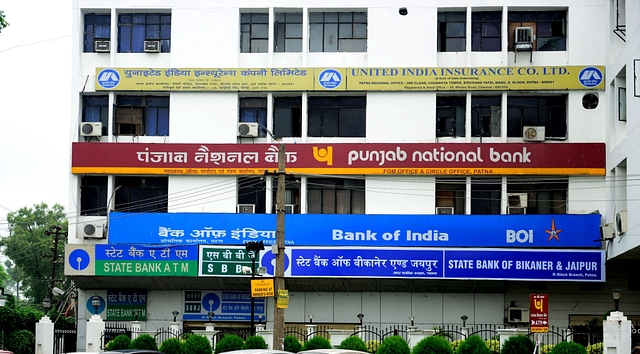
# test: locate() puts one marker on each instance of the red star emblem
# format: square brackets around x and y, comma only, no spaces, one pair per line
[553,233]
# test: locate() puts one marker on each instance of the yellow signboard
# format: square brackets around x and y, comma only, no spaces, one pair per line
[262,288]
[283,299]
[496,78]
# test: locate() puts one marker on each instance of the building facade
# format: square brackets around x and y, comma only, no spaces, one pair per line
[441,159]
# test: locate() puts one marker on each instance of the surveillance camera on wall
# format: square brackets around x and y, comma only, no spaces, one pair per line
[403,11]
[246,270]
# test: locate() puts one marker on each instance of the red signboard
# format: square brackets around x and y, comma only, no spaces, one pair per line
[539,312]
[348,159]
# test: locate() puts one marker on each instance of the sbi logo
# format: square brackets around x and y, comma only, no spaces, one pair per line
[108,78]
[590,77]
[330,78]
[520,236]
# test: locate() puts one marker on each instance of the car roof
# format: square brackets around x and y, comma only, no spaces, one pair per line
[132,351]
[331,351]
[258,351]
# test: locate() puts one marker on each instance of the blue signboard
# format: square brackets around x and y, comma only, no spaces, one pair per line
[224,306]
[443,263]
[520,231]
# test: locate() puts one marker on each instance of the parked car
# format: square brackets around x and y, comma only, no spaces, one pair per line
[258,351]
[2,351]
[132,351]
[331,351]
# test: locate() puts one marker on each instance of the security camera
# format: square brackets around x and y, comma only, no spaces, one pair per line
[246,270]
[403,11]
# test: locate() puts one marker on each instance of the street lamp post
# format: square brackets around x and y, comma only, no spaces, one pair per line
[616,297]
[95,302]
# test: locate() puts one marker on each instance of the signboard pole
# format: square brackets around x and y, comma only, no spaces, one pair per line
[278,313]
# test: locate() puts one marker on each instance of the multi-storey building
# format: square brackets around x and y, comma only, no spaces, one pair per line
[442,159]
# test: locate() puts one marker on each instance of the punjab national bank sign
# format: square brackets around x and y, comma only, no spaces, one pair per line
[351,158]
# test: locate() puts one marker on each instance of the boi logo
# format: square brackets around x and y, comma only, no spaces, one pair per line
[520,236]
[323,154]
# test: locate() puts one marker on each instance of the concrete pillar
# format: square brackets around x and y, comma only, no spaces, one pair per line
[415,336]
[465,332]
[267,335]
[136,328]
[95,329]
[311,328]
[338,335]
[506,333]
[44,336]
[617,334]
[210,332]
[174,327]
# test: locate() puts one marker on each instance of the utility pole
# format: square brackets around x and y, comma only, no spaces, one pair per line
[278,313]
[54,262]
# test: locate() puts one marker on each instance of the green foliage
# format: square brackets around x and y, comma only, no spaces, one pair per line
[317,343]
[292,344]
[455,344]
[28,241]
[3,22]
[473,345]
[493,345]
[517,345]
[255,342]
[595,348]
[171,346]
[394,345]
[228,343]
[121,341]
[198,344]
[21,342]
[144,341]
[546,349]
[353,343]
[372,346]
[432,345]
[568,348]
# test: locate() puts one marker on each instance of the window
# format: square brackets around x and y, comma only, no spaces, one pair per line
[254,110]
[335,196]
[338,32]
[254,33]
[485,196]
[549,28]
[287,117]
[142,194]
[622,104]
[288,32]
[486,31]
[337,116]
[97,27]
[450,195]
[547,111]
[486,113]
[142,115]
[96,109]
[291,194]
[135,29]
[548,197]
[452,31]
[93,195]
[450,111]
[252,191]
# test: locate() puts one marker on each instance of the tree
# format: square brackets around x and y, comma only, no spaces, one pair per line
[3,22]
[31,249]
[4,277]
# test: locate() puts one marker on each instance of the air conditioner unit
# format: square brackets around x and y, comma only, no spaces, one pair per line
[248,129]
[102,46]
[621,222]
[93,229]
[246,208]
[90,129]
[516,210]
[523,38]
[533,133]
[152,46]
[607,232]
[518,200]
[517,315]
[290,208]
[444,210]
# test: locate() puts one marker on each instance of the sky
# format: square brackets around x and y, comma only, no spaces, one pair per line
[35,105]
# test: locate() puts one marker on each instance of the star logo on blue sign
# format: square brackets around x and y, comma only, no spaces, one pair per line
[553,233]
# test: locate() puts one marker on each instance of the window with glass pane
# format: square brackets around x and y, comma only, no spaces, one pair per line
[254,110]
[288,32]
[548,196]
[546,111]
[142,194]
[142,115]
[331,116]
[97,27]
[486,31]
[486,113]
[254,33]
[485,195]
[450,112]
[287,117]
[93,195]
[335,196]
[549,28]
[135,29]
[450,193]
[252,191]
[96,109]
[338,32]
[291,194]
[452,31]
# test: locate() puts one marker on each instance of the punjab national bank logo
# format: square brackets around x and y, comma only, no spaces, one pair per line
[323,154]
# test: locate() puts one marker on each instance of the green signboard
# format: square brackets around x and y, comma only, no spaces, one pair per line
[226,261]
[143,260]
